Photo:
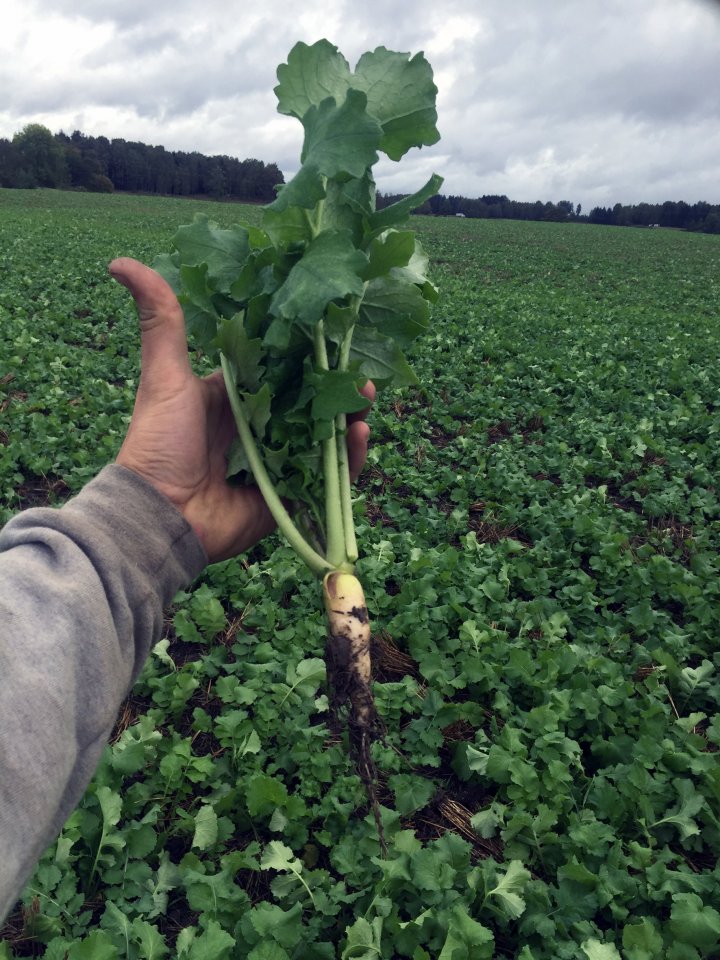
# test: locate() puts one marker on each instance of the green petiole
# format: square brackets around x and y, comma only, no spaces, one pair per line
[334,525]
[341,550]
[314,560]
[351,548]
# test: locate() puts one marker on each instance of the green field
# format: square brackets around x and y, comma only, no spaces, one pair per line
[539,521]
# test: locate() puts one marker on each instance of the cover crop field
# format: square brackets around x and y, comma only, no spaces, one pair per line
[540,517]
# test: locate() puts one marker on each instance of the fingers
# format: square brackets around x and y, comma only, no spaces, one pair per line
[358,435]
[368,391]
[162,325]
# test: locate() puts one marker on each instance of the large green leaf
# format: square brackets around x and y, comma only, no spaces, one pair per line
[358,193]
[245,353]
[343,209]
[391,249]
[268,950]
[224,251]
[335,391]
[257,409]
[270,921]
[201,316]
[168,266]
[330,270]
[693,922]
[401,95]
[380,358]
[509,889]
[690,804]
[400,90]
[364,940]
[111,806]
[595,950]
[305,189]
[97,946]
[152,945]
[466,938]
[398,309]
[213,943]
[289,226]
[341,139]
[265,794]
[641,940]
[311,75]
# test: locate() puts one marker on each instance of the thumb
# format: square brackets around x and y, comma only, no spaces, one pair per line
[164,351]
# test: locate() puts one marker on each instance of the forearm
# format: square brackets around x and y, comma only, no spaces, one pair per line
[82,591]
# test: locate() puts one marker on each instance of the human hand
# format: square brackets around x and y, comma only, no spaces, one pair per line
[182,426]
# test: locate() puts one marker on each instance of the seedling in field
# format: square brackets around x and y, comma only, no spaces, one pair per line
[303,311]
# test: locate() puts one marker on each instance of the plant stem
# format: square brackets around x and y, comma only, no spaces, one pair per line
[334,527]
[351,549]
[317,563]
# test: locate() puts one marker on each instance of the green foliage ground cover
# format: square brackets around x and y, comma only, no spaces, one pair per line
[541,516]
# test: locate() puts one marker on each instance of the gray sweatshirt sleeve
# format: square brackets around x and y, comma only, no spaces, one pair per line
[82,591]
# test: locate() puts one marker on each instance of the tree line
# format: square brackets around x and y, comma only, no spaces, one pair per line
[701,216]
[37,158]
[498,206]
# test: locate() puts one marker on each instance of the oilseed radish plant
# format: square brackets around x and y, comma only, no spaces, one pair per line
[302,311]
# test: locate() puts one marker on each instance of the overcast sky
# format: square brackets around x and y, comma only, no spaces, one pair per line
[592,101]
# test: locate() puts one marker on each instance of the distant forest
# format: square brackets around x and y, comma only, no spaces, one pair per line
[704,217]
[37,158]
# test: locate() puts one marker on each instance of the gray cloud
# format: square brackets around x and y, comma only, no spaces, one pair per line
[593,102]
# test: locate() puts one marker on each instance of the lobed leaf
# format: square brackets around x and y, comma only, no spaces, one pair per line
[330,270]
[222,251]
[341,139]
[401,95]
[311,75]
[400,92]
[380,359]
